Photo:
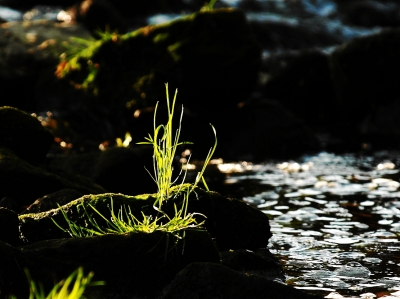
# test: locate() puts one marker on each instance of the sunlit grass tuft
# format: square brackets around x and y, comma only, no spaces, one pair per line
[165,143]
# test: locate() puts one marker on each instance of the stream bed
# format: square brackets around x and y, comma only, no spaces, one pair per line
[334,219]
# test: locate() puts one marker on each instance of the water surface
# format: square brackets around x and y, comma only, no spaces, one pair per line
[334,218]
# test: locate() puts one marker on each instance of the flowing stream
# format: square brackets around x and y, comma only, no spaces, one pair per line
[334,218]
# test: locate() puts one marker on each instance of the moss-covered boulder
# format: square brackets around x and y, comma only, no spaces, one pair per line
[24,182]
[40,226]
[24,135]
[231,222]
[212,56]
[136,265]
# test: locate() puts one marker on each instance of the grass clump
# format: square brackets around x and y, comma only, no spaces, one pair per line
[73,287]
[165,142]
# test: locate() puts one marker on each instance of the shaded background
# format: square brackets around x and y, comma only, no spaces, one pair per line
[316,75]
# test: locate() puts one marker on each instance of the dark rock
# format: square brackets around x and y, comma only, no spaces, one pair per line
[117,169]
[213,281]
[9,232]
[132,265]
[301,81]
[264,128]
[19,129]
[53,201]
[261,263]
[364,73]
[380,129]
[231,222]
[24,183]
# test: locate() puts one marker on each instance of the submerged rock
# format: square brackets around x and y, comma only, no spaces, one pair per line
[353,270]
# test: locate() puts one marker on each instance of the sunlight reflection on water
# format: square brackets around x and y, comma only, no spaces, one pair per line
[335,225]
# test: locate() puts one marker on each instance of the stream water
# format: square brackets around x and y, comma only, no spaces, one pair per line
[334,218]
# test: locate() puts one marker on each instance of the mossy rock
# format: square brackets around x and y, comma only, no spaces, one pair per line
[211,56]
[231,222]
[24,135]
[136,265]
[24,182]
[40,226]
